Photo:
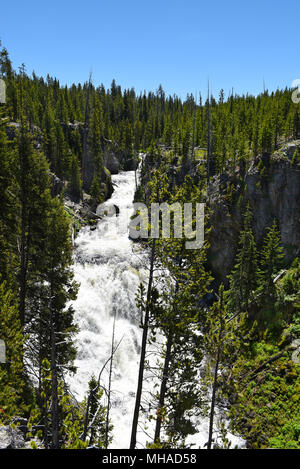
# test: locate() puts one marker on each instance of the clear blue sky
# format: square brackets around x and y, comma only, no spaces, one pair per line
[178,43]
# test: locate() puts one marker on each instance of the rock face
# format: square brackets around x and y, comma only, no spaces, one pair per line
[272,186]
[15,438]
[130,164]
[10,438]
[113,158]
[116,159]
[112,155]
[57,185]
[273,194]
[111,163]
[84,212]
[13,130]
[290,148]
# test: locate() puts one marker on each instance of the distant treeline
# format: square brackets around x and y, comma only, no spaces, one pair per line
[236,128]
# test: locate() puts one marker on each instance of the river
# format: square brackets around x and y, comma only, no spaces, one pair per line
[109,267]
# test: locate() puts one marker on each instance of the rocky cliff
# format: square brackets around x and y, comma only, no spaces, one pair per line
[271,184]
[273,190]
[114,158]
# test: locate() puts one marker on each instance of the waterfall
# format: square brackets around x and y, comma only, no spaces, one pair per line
[109,267]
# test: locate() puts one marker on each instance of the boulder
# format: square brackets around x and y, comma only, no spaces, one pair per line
[276,195]
[57,185]
[131,164]
[290,148]
[13,129]
[11,438]
[107,210]
[111,162]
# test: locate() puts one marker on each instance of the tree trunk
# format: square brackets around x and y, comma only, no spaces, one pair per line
[109,383]
[208,137]
[163,387]
[215,383]
[143,353]
[85,162]
[23,269]
[213,399]
[54,407]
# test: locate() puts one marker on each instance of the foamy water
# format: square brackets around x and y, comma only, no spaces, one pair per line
[109,268]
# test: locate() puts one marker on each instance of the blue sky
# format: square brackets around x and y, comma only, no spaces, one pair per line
[178,43]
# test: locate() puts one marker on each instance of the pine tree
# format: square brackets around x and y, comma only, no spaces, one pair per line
[8,223]
[145,326]
[215,339]
[12,381]
[271,257]
[177,316]
[158,187]
[32,179]
[227,337]
[66,434]
[52,320]
[75,183]
[244,277]
[95,190]
[96,433]
[94,142]
[296,157]
[62,154]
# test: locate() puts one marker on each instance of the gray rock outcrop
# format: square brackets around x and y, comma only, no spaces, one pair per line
[57,185]
[273,195]
[11,438]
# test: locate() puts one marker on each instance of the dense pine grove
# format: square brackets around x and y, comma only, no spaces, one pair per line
[239,126]
[246,329]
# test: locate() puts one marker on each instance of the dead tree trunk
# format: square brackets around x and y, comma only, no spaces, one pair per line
[109,383]
[220,339]
[208,156]
[23,156]
[85,155]
[163,387]
[166,370]
[213,399]
[54,390]
[143,353]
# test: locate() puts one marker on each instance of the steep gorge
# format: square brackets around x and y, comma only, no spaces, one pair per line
[272,194]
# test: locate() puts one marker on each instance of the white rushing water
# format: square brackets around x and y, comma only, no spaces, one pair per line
[109,268]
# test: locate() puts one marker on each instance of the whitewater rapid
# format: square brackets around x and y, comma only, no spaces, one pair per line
[109,267]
